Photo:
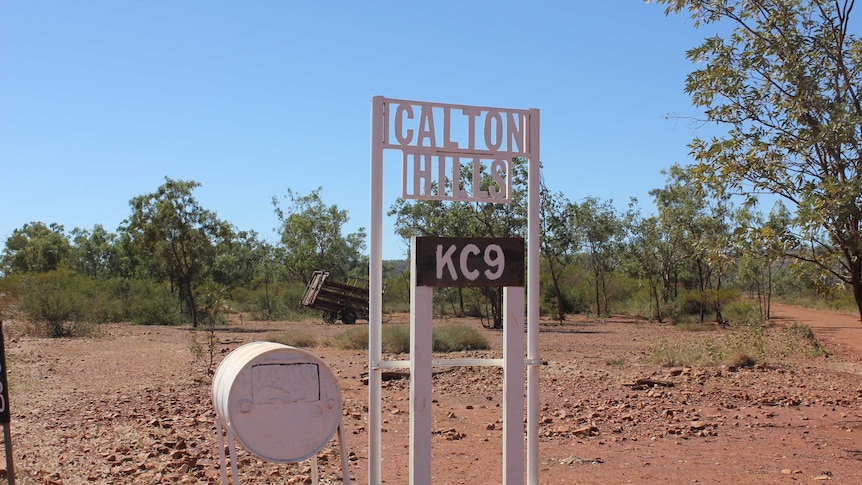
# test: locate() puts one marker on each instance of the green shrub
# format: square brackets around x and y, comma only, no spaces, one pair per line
[354,339]
[295,339]
[805,333]
[743,312]
[153,303]
[456,338]
[396,339]
[577,298]
[689,303]
[279,301]
[687,354]
[56,302]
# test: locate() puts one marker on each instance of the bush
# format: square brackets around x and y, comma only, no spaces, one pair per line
[56,301]
[688,354]
[353,339]
[396,339]
[153,303]
[804,332]
[280,302]
[295,339]
[743,312]
[689,304]
[456,338]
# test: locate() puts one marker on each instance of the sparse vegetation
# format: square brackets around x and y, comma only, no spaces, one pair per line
[807,335]
[298,339]
[456,338]
[396,339]
[737,346]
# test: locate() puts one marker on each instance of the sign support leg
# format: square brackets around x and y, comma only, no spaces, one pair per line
[345,464]
[375,295]
[420,378]
[513,386]
[222,460]
[231,445]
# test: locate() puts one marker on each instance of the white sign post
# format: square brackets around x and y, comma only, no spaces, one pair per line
[437,143]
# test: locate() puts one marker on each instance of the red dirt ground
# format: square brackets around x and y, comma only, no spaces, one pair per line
[133,406]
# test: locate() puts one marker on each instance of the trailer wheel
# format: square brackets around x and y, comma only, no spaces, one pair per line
[348,316]
[330,317]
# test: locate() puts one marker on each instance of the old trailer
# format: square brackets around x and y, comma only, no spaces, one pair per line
[347,301]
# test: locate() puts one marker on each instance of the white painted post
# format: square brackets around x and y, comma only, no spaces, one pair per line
[533,262]
[375,293]
[421,388]
[513,386]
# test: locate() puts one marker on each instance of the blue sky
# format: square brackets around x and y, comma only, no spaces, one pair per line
[99,101]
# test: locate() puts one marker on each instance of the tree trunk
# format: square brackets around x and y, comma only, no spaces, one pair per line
[558,293]
[856,283]
[702,287]
[768,292]
[266,290]
[192,305]
[717,301]
[598,300]
[654,291]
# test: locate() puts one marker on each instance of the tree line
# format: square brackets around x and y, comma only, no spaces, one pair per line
[172,260]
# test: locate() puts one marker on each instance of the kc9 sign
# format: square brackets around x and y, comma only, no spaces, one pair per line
[454,261]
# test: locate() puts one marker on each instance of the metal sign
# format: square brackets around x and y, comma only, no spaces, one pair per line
[445,145]
[464,153]
[469,261]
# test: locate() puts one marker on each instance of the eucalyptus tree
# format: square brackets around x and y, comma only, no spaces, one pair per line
[237,258]
[560,241]
[696,217]
[646,247]
[180,235]
[602,232]
[762,244]
[94,252]
[785,84]
[312,237]
[35,247]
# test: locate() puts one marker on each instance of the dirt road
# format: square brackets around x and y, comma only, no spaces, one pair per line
[836,330]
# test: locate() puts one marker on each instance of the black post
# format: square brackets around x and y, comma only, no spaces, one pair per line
[5,416]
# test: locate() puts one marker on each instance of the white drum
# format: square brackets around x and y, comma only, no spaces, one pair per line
[282,403]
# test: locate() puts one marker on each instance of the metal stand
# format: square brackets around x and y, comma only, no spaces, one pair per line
[345,465]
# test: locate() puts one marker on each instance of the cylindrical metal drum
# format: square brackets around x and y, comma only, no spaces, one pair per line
[282,403]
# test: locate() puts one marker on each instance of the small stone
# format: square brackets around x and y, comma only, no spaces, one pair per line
[698,425]
[586,431]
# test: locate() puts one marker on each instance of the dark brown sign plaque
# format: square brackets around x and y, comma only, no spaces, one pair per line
[469,261]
